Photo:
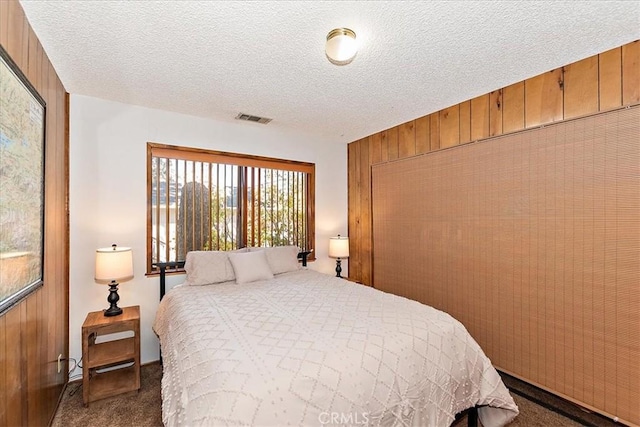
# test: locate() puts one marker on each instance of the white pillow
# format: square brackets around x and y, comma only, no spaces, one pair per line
[250,266]
[281,259]
[206,267]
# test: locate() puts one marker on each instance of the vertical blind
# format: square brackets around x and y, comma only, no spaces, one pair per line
[200,200]
[532,241]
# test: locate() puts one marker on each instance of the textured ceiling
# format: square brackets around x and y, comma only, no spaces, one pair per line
[217,58]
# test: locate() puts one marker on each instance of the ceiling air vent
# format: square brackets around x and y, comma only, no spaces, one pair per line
[250,118]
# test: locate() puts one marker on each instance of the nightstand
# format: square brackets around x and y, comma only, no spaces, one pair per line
[111,367]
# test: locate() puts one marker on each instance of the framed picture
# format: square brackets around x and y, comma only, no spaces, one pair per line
[22,131]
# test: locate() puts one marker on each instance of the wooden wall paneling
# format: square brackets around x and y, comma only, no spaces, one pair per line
[14,37]
[384,145]
[365,237]
[35,331]
[354,209]
[351,202]
[64,261]
[33,57]
[392,141]
[495,113]
[33,360]
[4,28]
[581,88]
[62,251]
[4,386]
[24,340]
[543,98]
[56,215]
[631,73]
[407,140]
[610,79]
[449,126]
[49,338]
[480,117]
[422,135]
[375,146]
[434,128]
[24,43]
[465,122]
[13,367]
[513,108]
[374,158]
[50,223]
[44,87]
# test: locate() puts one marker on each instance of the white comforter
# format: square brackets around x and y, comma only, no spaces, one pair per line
[310,349]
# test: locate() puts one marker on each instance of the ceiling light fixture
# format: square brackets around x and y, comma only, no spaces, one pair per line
[341,46]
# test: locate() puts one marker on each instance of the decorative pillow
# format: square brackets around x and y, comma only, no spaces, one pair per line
[281,259]
[250,266]
[207,267]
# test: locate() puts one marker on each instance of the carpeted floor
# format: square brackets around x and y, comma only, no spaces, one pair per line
[143,408]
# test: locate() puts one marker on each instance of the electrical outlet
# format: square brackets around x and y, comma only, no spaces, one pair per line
[59,362]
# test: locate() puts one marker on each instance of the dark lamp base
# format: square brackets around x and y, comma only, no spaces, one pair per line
[338,268]
[113,299]
[113,311]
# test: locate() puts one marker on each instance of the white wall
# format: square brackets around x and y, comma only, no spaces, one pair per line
[107,185]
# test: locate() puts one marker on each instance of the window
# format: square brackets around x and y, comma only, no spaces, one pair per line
[209,200]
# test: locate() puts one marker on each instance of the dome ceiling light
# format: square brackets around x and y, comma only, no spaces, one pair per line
[341,46]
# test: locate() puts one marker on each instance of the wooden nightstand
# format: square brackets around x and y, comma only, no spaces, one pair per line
[117,354]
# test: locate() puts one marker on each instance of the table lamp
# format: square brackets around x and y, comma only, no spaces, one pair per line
[338,248]
[112,265]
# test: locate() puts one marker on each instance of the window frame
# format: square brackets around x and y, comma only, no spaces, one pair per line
[213,156]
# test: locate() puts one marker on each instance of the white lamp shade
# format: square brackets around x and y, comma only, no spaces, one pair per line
[341,46]
[114,263]
[339,247]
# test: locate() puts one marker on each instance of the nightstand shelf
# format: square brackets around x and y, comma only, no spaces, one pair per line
[111,352]
[110,367]
[113,382]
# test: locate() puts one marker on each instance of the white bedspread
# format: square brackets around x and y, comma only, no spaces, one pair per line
[310,349]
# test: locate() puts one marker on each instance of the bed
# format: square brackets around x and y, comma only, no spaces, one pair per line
[253,339]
